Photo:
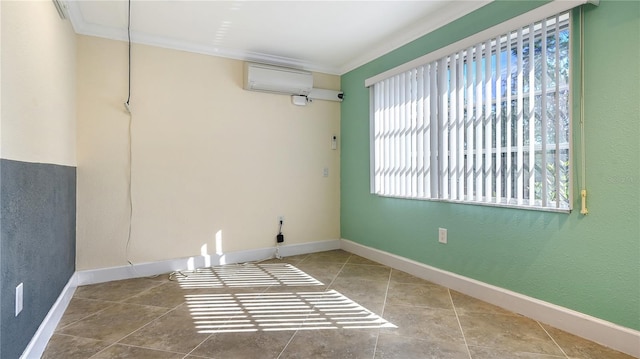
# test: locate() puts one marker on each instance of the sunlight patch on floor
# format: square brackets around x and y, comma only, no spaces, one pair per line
[246,275]
[242,312]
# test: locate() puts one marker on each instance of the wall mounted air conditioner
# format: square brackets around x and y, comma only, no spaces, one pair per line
[269,78]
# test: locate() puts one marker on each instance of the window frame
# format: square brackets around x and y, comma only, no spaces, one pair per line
[456,48]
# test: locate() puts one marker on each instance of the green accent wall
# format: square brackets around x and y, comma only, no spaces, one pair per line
[591,263]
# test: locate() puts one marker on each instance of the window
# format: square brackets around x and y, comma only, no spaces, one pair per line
[488,124]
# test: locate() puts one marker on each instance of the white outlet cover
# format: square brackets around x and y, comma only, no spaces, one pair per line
[19,298]
[442,235]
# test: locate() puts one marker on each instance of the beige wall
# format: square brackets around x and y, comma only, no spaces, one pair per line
[208,158]
[38,84]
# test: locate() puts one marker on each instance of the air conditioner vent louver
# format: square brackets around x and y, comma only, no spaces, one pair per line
[269,78]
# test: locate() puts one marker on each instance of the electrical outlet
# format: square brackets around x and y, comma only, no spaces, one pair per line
[442,235]
[325,172]
[280,236]
[19,298]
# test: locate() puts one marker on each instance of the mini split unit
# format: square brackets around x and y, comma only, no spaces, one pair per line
[286,81]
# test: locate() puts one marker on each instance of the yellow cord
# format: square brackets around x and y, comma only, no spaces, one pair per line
[583,192]
[584,209]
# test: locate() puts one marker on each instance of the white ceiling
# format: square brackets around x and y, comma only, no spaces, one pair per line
[326,36]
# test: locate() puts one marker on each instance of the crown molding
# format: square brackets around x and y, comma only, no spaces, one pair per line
[81,27]
[446,15]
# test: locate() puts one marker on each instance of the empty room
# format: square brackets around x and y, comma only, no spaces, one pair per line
[320,179]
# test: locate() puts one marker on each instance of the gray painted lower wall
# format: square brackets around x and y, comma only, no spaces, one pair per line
[37,245]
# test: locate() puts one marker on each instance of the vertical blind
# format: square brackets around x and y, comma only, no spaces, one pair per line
[487,124]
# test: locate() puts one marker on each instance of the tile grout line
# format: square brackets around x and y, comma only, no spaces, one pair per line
[135,346]
[292,336]
[112,302]
[160,283]
[141,327]
[187,301]
[100,351]
[297,330]
[213,334]
[326,288]
[384,305]
[103,349]
[288,342]
[340,271]
[553,340]
[121,302]
[88,315]
[264,290]
[199,345]
[466,344]
[117,345]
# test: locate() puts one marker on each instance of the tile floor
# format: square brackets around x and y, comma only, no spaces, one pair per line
[322,305]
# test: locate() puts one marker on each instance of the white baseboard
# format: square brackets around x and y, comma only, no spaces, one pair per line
[600,331]
[313,247]
[137,270]
[39,341]
[606,333]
